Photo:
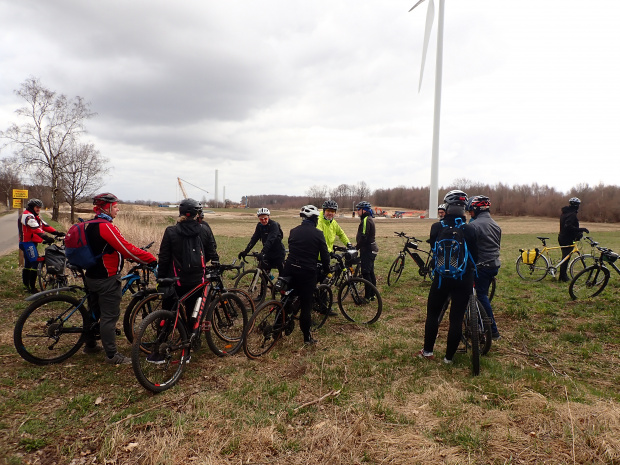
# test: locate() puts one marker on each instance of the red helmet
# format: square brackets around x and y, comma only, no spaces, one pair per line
[101,200]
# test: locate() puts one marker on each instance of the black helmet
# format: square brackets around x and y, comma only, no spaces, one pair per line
[331,204]
[479,203]
[34,203]
[363,205]
[103,199]
[455,197]
[308,211]
[189,208]
[574,202]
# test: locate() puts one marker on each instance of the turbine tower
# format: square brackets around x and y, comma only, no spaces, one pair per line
[430,16]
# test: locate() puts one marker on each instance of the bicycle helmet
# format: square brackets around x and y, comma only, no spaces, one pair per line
[101,200]
[308,211]
[331,204]
[478,203]
[34,203]
[442,207]
[363,205]
[455,197]
[189,208]
[574,202]
[263,211]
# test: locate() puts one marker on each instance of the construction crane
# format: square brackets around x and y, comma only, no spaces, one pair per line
[181,181]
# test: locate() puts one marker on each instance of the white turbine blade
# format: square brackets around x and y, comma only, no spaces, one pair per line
[415,5]
[430,16]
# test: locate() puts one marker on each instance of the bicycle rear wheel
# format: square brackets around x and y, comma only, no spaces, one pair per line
[264,329]
[485,333]
[249,304]
[223,324]
[589,282]
[50,329]
[321,306]
[354,306]
[492,288]
[396,270]
[254,283]
[579,263]
[138,309]
[160,351]
[49,280]
[472,333]
[535,271]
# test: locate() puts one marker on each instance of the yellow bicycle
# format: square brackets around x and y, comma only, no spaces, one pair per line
[535,264]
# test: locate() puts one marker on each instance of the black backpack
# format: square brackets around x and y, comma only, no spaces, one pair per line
[192,257]
[450,251]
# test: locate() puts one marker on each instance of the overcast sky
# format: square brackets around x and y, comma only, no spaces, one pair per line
[281,95]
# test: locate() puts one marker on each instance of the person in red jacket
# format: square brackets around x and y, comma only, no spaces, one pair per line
[32,233]
[103,279]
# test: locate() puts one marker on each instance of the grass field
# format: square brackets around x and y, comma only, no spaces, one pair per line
[547,392]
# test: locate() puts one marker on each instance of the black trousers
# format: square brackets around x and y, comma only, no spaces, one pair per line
[303,282]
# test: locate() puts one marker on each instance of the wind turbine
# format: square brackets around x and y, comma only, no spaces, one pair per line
[430,16]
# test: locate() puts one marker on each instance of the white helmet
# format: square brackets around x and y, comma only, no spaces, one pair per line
[308,211]
[263,211]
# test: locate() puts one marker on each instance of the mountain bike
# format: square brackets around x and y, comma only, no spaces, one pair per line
[591,281]
[350,289]
[410,248]
[273,318]
[165,338]
[535,264]
[52,266]
[256,281]
[477,334]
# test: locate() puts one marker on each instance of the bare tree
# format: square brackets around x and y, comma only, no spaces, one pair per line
[9,178]
[82,173]
[53,125]
[317,194]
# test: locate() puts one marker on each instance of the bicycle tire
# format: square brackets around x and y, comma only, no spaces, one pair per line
[258,291]
[139,308]
[472,333]
[41,337]
[224,323]
[158,334]
[354,306]
[579,263]
[396,270]
[535,271]
[264,329]
[322,302]
[485,331]
[589,282]
[249,304]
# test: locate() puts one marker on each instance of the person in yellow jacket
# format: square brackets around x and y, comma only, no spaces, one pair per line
[330,226]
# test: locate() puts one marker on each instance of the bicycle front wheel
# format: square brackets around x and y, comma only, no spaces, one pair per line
[137,310]
[353,304]
[579,263]
[224,323]
[535,271]
[160,351]
[321,306]
[492,288]
[485,333]
[51,329]
[396,270]
[589,282]
[264,329]
[473,334]
[254,283]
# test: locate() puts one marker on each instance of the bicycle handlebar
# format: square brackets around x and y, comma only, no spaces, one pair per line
[410,238]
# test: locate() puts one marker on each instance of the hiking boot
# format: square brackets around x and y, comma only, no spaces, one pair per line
[118,359]
[156,358]
[310,341]
[496,336]
[421,354]
[446,361]
[94,349]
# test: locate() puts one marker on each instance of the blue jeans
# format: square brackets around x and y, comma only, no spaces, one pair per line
[483,281]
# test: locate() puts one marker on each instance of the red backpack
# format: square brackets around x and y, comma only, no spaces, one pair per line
[77,249]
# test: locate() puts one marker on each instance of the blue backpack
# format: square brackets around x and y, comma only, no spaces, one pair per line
[77,249]
[450,251]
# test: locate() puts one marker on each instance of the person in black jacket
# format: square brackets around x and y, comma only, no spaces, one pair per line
[367,245]
[184,251]
[458,290]
[270,234]
[569,232]
[305,244]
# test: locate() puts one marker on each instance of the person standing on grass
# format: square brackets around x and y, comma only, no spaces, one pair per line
[103,279]
[330,227]
[270,234]
[306,243]
[32,233]
[367,245]
[569,233]
[458,289]
[488,237]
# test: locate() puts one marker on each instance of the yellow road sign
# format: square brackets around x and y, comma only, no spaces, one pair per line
[17,203]
[20,193]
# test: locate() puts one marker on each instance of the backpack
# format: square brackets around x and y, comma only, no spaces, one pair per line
[450,251]
[77,249]
[192,257]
